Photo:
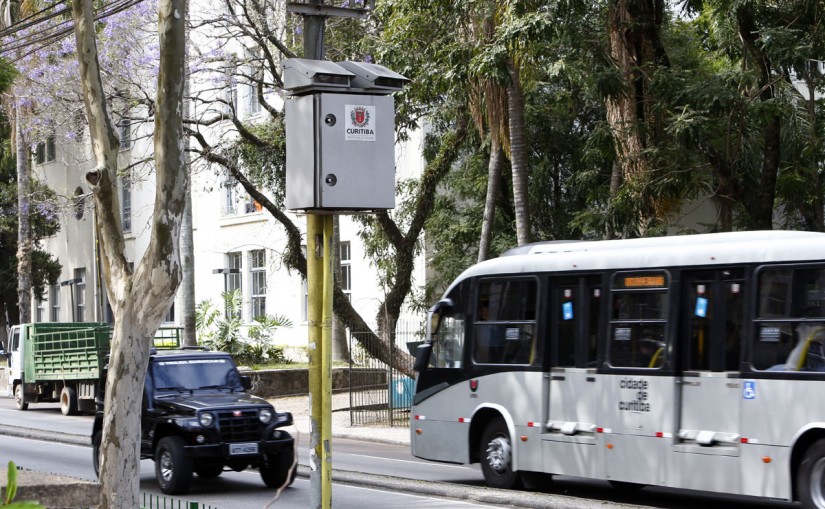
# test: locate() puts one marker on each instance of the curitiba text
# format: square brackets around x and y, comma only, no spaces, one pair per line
[636,400]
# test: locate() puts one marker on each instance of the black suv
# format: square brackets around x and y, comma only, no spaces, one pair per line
[197,416]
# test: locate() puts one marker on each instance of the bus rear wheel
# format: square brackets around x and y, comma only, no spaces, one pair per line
[810,479]
[496,454]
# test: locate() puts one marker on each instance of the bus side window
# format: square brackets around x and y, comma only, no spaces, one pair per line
[790,327]
[638,319]
[505,322]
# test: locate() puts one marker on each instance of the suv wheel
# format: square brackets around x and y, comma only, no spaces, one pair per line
[173,470]
[276,473]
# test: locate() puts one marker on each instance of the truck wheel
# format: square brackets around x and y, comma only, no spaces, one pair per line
[18,398]
[811,476]
[496,454]
[96,440]
[275,474]
[68,401]
[209,471]
[173,470]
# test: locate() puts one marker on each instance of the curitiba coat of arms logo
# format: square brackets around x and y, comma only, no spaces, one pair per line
[360,116]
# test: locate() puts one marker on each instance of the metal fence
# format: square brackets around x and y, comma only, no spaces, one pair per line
[380,393]
[153,501]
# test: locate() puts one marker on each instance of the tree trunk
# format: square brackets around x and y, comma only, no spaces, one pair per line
[24,238]
[761,200]
[187,289]
[518,155]
[493,181]
[187,242]
[633,45]
[139,301]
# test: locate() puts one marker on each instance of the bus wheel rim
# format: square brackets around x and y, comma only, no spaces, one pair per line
[498,454]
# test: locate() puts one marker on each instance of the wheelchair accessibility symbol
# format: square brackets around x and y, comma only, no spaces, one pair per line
[749,389]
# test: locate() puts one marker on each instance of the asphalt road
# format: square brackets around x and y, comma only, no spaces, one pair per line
[363,473]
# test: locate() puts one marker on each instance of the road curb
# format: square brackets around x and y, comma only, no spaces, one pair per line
[47,436]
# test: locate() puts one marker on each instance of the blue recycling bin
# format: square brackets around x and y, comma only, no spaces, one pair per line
[401,392]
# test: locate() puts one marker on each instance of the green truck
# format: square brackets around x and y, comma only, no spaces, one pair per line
[51,362]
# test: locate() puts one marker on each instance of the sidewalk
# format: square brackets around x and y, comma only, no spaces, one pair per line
[341,428]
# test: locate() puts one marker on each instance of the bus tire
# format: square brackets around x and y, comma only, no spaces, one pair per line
[68,401]
[19,402]
[811,476]
[496,456]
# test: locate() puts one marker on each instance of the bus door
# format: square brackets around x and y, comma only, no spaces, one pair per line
[636,405]
[709,388]
[569,442]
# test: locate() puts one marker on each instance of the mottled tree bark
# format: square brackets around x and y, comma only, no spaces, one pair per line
[139,300]
[518,155]
[24,237]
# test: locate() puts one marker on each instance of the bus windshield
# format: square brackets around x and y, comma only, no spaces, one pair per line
[447,337]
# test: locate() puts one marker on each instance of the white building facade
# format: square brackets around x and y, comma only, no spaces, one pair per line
[238,245]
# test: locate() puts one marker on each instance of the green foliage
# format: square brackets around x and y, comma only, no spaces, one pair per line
[11,492]
[224,330]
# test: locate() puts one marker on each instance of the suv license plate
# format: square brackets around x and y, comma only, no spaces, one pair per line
[250,448]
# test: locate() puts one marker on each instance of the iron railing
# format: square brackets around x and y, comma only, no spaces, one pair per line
[380,393]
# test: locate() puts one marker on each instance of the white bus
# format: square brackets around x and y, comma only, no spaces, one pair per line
[692,362]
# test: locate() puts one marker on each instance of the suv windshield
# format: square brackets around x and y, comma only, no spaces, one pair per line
[176,374]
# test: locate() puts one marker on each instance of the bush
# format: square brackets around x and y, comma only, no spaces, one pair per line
[225,332]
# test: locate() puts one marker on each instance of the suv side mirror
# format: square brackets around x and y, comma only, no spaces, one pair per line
[246,382]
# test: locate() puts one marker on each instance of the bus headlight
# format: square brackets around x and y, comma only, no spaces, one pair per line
[206,419]
[265,416]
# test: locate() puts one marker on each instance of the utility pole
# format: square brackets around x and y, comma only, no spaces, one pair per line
[319,314]
[330,172]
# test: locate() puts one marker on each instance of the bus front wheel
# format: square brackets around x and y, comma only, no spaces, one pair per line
[811,477]
[496,454]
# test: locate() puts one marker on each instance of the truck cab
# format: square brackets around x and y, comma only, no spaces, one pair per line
[198,417]
[15,371]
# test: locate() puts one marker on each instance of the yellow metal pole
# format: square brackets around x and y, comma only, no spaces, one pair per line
[315,282]
[326,366]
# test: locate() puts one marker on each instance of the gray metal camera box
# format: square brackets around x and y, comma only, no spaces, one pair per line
[340,152]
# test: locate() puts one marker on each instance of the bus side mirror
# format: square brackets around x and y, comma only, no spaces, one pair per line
[422,356]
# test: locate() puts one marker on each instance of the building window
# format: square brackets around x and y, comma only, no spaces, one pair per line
[170,315]
[231,93]
[126,204]
[79,203]
[54,299]
[41,311]
[230,202]
[126,140]
[257,270]
[254,102]
[346,268]
[45,151]
[80,295]
[233,281]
